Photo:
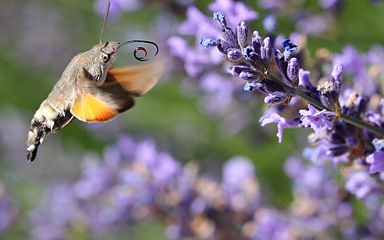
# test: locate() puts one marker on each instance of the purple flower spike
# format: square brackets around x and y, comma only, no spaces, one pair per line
[243,34]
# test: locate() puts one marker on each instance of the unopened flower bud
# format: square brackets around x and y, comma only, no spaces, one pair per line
[250,86]
[237,69]
[289,48]
[293,71]
[209,42]
[220,18]
[243,35]
[257,40]
[304,79]
[234,55]
[229,37]
[223,46]
[249,52]
[266,49]
[276,97]
[249,75]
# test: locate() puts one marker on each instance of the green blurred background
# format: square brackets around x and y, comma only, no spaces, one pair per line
[38,38]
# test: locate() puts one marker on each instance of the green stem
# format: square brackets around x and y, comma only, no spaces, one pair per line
[317,104]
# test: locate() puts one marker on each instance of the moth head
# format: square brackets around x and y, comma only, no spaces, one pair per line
[107,52]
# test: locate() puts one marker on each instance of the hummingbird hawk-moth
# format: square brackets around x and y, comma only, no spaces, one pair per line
[91,90]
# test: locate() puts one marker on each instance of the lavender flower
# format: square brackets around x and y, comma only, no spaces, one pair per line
[282,123]
[360,184]
[342,120]
[239,184]
[319,121]
[145,183]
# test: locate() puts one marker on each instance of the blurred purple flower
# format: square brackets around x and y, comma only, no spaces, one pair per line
[376,161]
[313,25]
[151,184]
[272,5]
[197,24]
[166,169]
[355,65]
[117,7]
[270,23]
[361,184]
[196,60]
[239,184]
[327,4]
[96,177]
[236,171]
[322,154]
[8,210]
[219,90]
[236,11]
[270,224]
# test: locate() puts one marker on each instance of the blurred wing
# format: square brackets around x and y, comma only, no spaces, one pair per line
[136,80]
[99,103]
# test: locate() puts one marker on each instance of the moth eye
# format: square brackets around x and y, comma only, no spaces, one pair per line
[104,57]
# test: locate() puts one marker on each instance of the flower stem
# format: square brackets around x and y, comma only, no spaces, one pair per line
[317,104]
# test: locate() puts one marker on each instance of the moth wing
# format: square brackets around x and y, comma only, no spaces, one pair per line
[136,80]
[99,103]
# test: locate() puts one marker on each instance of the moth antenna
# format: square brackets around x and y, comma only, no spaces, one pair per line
[105,20]
[145,57]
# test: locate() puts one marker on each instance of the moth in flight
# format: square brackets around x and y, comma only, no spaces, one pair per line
[91,90]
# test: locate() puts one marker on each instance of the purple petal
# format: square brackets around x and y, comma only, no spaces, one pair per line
[376,160]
